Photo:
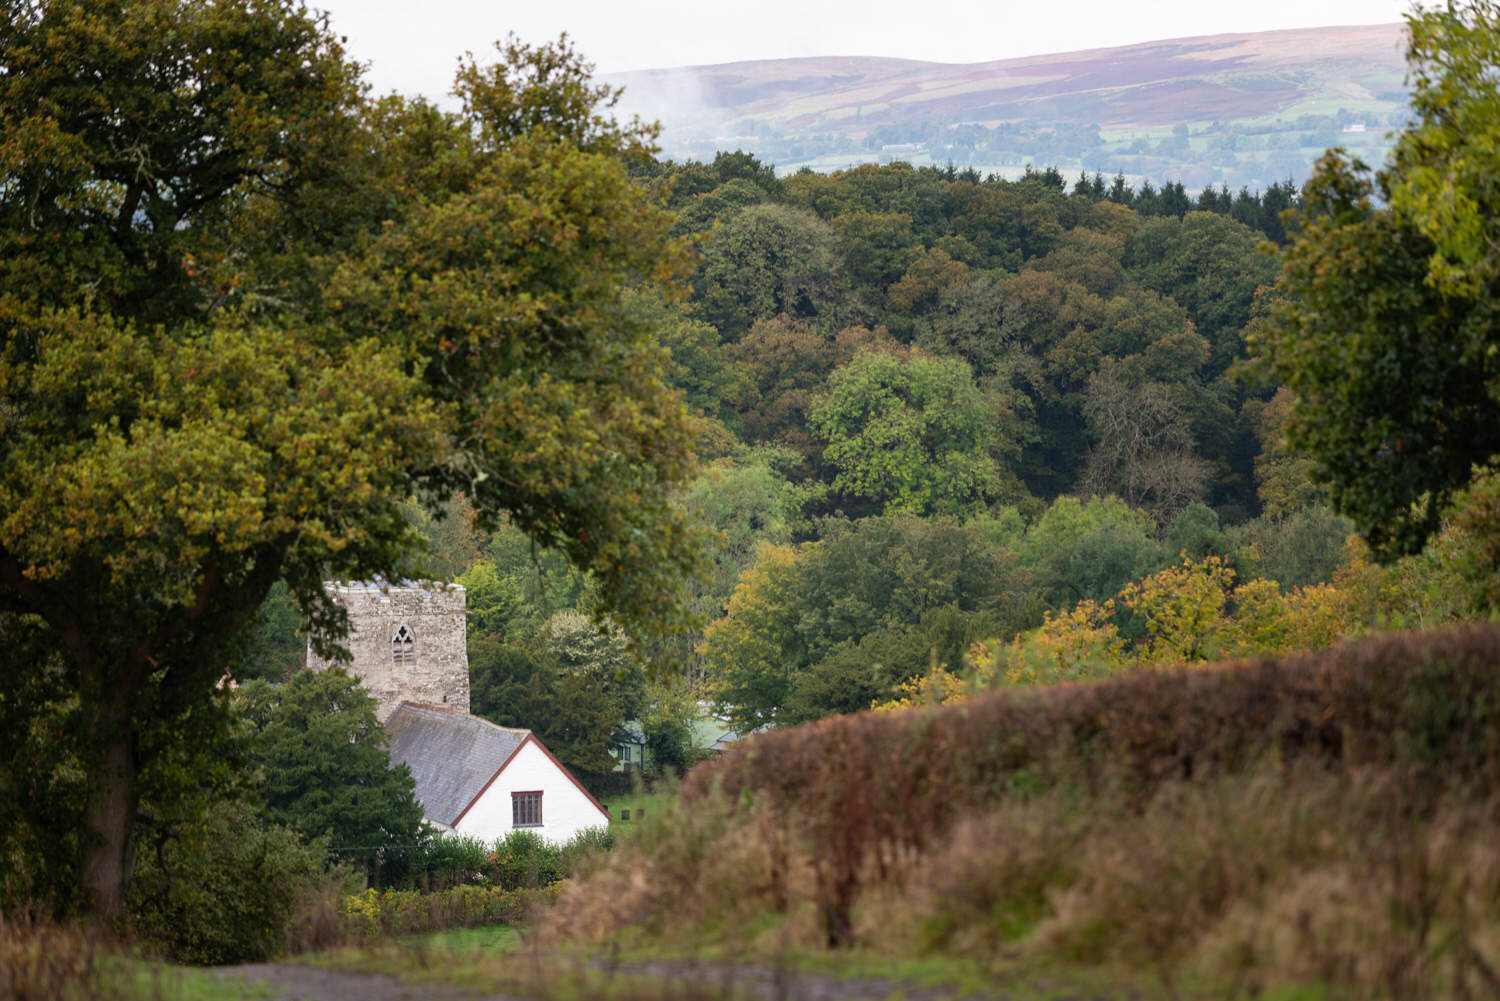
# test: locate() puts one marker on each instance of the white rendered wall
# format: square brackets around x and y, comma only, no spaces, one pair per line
[566,809]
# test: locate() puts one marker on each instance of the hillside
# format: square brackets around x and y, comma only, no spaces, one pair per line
[1221,109]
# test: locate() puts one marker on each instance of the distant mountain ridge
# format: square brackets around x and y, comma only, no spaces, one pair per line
[1297,80]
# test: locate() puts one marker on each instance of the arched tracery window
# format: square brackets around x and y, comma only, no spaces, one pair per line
[404,646]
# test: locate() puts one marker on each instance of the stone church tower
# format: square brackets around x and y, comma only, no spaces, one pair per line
[408,642]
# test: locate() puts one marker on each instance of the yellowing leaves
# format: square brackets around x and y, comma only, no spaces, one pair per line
[1189,613]
[1183,607]
[184,439]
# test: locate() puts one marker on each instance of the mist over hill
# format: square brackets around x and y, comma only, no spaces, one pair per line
[1247,109]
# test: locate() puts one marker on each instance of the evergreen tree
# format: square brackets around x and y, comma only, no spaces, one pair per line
[323,764]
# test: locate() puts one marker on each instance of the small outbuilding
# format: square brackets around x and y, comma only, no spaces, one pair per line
[483,781]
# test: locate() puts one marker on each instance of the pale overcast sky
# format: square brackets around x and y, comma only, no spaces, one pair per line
[412,47]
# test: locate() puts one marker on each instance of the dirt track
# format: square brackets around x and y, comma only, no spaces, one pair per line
[296,982]
[681,980]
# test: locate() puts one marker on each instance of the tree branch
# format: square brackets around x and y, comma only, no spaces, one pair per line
[30,598]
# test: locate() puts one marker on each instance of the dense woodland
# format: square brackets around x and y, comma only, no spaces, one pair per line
[955,432]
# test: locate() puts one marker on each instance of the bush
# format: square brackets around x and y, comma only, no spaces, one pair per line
[520,873]
[1298,550]
[520,860]
[523,860]
[588,845]
[446,860]
[373,914]
[868,787]
[225,889]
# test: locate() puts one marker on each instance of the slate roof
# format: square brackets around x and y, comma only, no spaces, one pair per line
[451,755]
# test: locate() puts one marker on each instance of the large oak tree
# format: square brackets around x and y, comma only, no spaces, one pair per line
[246,312]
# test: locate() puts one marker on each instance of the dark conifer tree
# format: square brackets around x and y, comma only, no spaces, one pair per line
[1147,202]
[1175,200]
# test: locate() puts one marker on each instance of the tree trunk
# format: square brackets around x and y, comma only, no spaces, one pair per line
[111,817]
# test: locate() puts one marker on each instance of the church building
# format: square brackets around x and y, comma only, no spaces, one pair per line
[408,642]
[473,777]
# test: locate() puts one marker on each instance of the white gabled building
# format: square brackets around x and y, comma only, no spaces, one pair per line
[483,781]
[473,778]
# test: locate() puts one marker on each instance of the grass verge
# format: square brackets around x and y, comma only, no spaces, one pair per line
[40,961]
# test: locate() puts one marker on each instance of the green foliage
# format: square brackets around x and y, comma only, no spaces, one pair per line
[324,766]
[878,246]
[276,646]
[737,170]
[40,776]
[1385,333]
[706,210]
[1283,478]
[225,889]
[443,860]
[1303,548]
[699,368]
[668,727]
[1089,550]
[785,363]
[246,315]
[1196,533]
[546,92]
[1038,291]
[1477,555]
[598,653]
[1209,264]
[548,582]
[583,849]
[1441,178]
[494,604]
[859,673]
[518,684]
[925,281]
[830,627]
[915,435]
[746,503]
[966,322]
[523,860]
[765,261]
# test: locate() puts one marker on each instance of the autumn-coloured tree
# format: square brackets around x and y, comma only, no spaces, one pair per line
[753,651]
[1072,645]
[1183,609]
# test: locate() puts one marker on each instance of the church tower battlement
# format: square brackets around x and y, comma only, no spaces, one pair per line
[408,642]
